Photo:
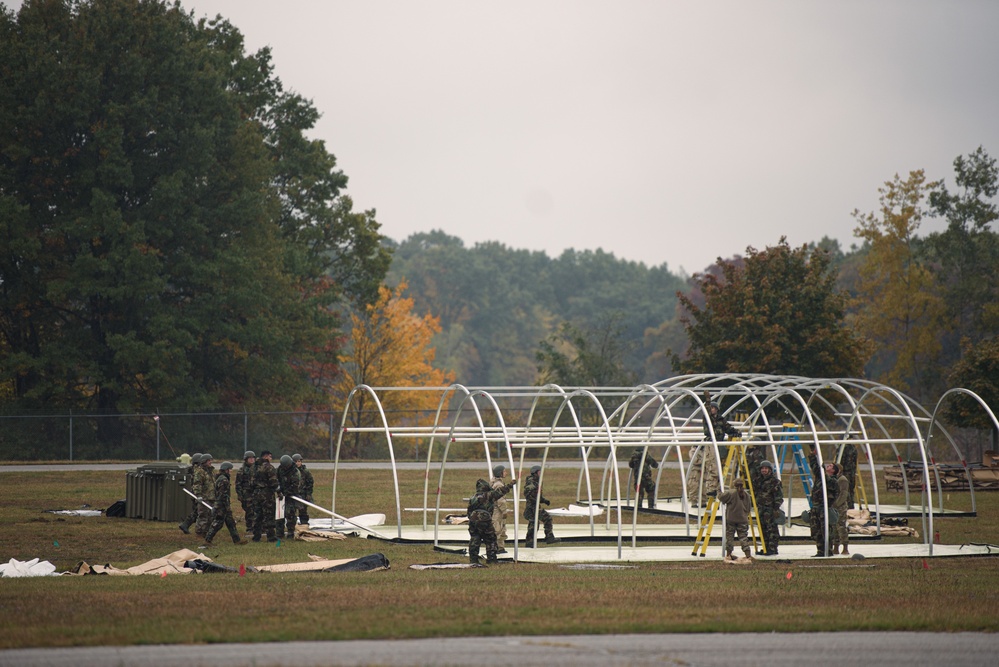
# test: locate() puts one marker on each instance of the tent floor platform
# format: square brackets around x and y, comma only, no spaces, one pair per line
[791,552]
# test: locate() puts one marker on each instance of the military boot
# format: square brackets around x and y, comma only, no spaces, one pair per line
[551,539]
[185,527]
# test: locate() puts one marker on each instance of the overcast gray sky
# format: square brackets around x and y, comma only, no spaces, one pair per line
[659,131]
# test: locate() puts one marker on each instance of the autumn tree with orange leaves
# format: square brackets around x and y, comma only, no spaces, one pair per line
[388,346]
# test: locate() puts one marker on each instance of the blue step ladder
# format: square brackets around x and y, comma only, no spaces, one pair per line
[800,460]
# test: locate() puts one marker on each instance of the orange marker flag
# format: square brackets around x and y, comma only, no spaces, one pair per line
[242,570]
[925,565]
[163,574]
[789,576]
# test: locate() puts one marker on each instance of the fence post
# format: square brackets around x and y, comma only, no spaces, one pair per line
[71,434]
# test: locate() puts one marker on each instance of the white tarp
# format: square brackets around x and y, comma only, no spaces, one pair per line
[31,568]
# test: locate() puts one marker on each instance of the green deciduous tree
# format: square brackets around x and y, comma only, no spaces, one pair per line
[965,256]
[898,306]
[978,370]
[171,228]
[591,357]
[775,311]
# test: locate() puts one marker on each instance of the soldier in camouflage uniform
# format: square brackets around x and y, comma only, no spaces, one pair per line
[244,488]
[533,496]
[480,520]
[500,509]
[817,513]
[305,491]
[186,524]
[644,484]
[848,461]
[290,481]
[840,532]
[222,509]
[755,455]
[205,488]
[704,468]
[738,505]
[769,499]
[265,486]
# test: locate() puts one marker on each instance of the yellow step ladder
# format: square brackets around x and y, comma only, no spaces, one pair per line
[736,458]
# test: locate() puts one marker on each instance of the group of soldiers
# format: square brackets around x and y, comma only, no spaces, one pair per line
[487,514]
[259,487]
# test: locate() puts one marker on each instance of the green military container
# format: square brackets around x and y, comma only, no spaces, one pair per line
[155,492]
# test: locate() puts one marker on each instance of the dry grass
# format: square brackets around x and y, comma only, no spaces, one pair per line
[953,594]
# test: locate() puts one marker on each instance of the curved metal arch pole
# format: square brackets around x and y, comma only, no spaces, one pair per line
[869,453]
[613,447]
[940,496]
[444,456]
[622,411]
[584,472]
[877,390]
[470,396]
[839,388]
[584,451]
[388,438]
[988,410]
[556,391]
[927,513]
[509,455]
[454,388]
[656,398]
[908,403]
[677,396]
[806,412]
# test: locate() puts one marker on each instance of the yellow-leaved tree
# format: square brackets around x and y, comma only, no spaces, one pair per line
[899,307]
[388,346]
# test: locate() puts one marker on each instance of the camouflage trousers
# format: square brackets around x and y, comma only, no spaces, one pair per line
[480,530]
[736,531]
[247,506]
[263,514]
[647,486]
[771,531]
[704,466]
[303,511]
[499,526]
[840,533]
[223,519]
[817,523]
[204,519]
[286,526]
[544,518]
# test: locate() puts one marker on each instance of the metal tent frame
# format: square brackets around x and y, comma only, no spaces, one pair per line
[668,414]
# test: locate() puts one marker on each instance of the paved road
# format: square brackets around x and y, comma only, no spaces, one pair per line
[893,649]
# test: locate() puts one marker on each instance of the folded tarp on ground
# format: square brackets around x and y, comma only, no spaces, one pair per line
[174,563]
[186,561]
[364,564]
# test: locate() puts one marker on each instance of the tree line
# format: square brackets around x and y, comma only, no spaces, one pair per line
[174,240]
[917,312]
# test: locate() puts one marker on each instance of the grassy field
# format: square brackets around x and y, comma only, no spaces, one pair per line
[899,594]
